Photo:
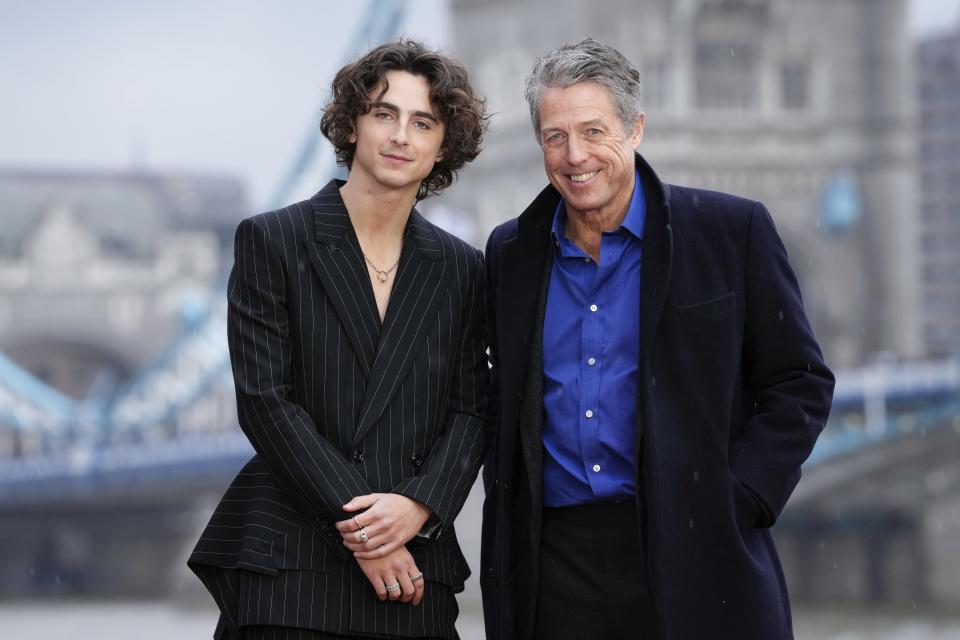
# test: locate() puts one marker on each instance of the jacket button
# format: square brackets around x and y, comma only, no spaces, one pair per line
[358,456]
[416,460]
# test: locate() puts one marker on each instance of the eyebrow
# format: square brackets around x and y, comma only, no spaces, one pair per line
[588,123]
[594,122]
[392,107]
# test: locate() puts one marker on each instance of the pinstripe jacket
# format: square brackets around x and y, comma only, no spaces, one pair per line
[338,406]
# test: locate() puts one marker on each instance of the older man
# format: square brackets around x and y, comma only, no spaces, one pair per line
[657,387]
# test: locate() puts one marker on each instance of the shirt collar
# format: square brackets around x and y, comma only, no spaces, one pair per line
[632,222]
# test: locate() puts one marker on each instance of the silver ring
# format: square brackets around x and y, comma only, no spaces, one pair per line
[363,536]
[357,522]
[393,587]
[419,576]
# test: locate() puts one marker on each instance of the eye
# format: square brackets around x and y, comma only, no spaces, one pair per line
[554,138]
[422,124]
[382,115]
[593,132]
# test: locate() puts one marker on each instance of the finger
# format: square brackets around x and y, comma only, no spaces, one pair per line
[363,547]
[346,526]
[418,586]
[362,540]
[361,502]
[407,588]
[395,593]
[379,587]
[379,552]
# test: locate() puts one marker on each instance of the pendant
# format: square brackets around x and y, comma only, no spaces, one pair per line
[382,276]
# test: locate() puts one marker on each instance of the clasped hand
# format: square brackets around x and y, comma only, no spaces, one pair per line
[383,523]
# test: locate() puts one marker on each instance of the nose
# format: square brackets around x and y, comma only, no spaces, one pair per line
[576,150]
[399,135]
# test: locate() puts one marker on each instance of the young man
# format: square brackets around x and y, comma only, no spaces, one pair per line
[657,387]
[358,350]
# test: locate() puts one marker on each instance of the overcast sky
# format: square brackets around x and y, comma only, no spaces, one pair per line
[228,86]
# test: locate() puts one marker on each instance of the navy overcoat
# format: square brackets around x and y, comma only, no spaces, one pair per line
[732,394]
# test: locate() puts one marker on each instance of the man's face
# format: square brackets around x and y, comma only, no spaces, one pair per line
[398,140]
[587,154]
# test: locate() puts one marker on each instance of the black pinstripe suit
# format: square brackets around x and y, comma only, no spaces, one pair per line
[338,406]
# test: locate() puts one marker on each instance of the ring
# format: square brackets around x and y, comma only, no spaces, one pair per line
[357,522]
[363,536]
[393,587]
[419,576]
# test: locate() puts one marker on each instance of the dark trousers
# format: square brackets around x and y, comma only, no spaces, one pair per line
[593,580]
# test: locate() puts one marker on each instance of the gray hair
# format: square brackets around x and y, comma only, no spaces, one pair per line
[586,61]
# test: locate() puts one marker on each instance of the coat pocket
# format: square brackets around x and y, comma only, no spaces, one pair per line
[745,508]
[708,311]
[256,554]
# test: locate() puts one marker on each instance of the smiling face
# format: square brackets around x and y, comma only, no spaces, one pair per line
[398,140]
[587,154]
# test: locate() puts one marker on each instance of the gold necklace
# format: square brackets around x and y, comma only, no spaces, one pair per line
[382,274]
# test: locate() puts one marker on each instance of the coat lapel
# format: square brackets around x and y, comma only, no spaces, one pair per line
[338,262]
[521,301]
[411,314]
[657,259]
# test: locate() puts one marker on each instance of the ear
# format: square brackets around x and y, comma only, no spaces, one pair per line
[352,138]
[637,134]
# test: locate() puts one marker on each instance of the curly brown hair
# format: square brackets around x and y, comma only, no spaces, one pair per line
[458,107]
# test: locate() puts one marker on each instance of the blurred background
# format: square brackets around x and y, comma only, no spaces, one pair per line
[134,136]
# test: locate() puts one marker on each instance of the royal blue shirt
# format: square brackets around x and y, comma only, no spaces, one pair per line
[591,341]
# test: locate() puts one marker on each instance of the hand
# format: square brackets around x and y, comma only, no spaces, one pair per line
[394,568]
[389,522]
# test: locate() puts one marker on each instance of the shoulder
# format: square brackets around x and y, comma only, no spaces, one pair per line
[452,249]
[703,203]
[501,234]
[282,227]
[712,213]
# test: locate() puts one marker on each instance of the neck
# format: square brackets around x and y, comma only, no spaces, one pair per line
[379,216]
[585,227]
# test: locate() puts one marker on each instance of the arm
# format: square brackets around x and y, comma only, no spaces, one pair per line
[783,372]
[307,465]
[454,459]
[450,467]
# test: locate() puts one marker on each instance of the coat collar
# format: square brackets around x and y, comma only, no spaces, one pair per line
[384,351]
[532,243]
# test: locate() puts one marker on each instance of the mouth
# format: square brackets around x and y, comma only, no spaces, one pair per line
[580,178]
[395,158]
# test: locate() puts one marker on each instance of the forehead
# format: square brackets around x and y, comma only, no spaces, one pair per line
[405,90]
[577,103]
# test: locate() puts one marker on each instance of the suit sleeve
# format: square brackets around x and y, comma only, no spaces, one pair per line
[307,465]
[784,372]
[453,461]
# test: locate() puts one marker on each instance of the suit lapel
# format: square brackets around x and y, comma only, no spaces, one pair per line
[411,314]
[338,262]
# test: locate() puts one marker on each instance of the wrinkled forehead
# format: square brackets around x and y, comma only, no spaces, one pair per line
[577,103]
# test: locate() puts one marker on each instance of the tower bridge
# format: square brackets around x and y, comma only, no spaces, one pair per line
[104,493]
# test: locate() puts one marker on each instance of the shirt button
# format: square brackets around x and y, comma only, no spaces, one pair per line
[589,413]
[596,468]
[593,308]
[591,361]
